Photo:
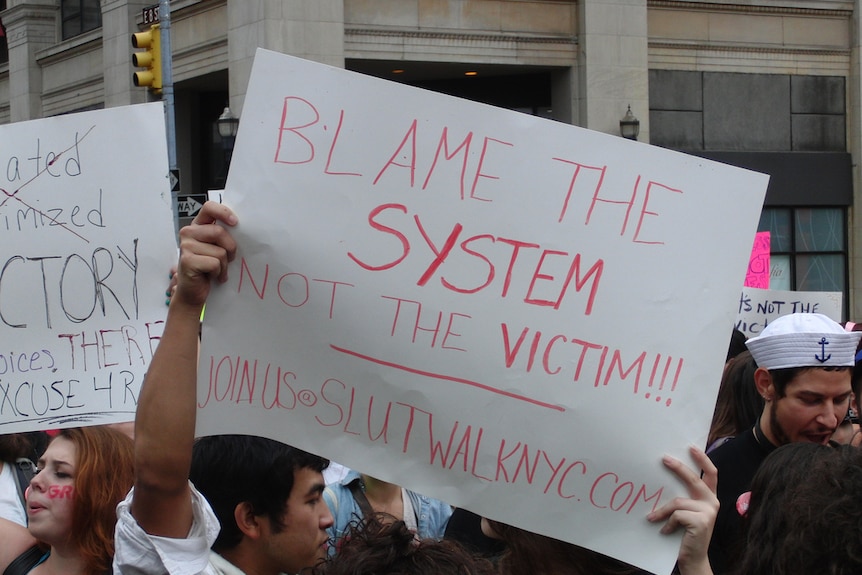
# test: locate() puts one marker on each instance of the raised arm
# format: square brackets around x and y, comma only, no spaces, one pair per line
[16,540]
[695,514]
[165,419]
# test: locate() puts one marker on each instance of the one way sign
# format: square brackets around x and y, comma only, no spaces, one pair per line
[188,206]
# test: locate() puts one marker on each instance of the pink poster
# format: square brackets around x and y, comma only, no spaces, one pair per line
[758,265]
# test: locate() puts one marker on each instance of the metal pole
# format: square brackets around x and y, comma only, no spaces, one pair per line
[168,97]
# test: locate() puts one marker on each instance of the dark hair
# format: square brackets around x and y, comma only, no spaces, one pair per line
[232,469]
[781,378]
[738,404]
[379,545]
[528,552]
[16,445]
[737,344]
[805,514]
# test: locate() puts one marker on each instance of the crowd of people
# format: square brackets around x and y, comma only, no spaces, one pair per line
[777,492]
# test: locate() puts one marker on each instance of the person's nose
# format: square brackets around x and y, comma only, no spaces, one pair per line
[37,482]
[831,415]
[326,519]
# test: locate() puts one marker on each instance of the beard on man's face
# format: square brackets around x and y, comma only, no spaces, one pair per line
[775,427]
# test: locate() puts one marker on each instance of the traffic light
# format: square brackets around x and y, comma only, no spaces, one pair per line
[150,59]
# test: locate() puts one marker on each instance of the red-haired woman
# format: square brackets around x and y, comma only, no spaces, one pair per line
[71,505]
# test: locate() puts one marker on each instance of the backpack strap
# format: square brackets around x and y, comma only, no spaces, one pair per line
[24,472]
[25,562]
[357,488]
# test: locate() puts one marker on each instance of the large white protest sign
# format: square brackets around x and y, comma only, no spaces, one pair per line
[511,314]
[758,307]
[87,244]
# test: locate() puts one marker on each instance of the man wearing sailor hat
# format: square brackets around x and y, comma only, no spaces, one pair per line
[805,363]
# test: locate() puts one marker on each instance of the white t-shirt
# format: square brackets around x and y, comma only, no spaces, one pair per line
[409,512]
[138,553]
[334,473]
[11,507]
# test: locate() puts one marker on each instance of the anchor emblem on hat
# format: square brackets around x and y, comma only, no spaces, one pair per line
[823,358]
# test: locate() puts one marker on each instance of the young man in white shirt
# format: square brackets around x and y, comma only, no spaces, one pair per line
[266,495]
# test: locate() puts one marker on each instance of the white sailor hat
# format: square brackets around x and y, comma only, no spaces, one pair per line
[804,340]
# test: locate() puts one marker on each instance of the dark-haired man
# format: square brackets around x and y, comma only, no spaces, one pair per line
[267,496]
[804,368]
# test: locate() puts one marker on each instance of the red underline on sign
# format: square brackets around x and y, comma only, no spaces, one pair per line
[447,378]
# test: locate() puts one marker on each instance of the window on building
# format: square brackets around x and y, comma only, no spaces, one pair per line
[808,248]
[4,47]
[79,16]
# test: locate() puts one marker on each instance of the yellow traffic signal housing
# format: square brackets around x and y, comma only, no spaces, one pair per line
[150,59]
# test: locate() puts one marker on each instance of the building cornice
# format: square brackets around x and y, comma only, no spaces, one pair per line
[448,35]
[772,8]
[86,42]
[737,48]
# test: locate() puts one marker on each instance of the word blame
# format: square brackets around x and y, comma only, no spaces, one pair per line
[302,133]
[100,282]
[418,432]
[295,146]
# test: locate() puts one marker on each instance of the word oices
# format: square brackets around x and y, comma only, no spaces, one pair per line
[101,282]
[300,137]
[33,399]
[454,446]
[25,362]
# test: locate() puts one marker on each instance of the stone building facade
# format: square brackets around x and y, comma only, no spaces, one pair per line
[773,85]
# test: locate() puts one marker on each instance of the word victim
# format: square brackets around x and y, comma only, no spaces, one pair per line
[655,375]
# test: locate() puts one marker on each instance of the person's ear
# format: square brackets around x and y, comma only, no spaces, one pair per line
[764,384]
[246,520]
